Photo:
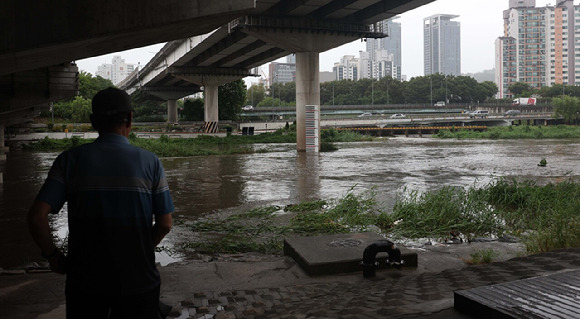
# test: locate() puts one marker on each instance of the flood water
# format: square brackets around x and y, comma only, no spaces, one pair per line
[206,184]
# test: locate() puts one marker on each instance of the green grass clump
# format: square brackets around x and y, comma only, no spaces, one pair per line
[202,145]
[49,144]
[333,136]
[543,217]
[515,132]
[435,214]
[547,217]
[482,256]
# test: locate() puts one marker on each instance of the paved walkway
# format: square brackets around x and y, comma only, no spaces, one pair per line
[392,294]
[238,287]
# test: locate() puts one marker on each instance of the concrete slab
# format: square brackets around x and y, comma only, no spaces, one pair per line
[341,253]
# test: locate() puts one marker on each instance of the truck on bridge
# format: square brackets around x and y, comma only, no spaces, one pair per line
[524,101]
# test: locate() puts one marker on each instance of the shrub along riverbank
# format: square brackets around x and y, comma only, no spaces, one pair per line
[544,218]
[205,144]
[515,132]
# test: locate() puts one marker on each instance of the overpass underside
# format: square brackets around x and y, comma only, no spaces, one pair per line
[40,43]
[40,40]
[273,30]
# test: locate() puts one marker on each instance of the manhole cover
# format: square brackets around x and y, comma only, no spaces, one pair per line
[349,242]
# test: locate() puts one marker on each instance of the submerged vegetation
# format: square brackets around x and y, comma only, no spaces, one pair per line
[544,218]
[262,229]
[515,132]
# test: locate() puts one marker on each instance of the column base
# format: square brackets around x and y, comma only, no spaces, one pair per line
[210,127]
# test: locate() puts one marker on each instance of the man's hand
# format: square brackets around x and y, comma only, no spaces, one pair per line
[42,235]
[161,227]
[58,263]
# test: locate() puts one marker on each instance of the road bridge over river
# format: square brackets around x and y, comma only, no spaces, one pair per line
[40,43]
[275,28]
[210,43]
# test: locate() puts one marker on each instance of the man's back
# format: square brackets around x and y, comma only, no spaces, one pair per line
[113,189]
[119,209]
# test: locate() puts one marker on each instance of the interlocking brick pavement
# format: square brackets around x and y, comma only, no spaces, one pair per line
[407,295]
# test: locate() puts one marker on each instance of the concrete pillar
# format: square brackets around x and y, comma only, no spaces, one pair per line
[172,111]
[3,149]
[307,92]
[210,95]
[210,84]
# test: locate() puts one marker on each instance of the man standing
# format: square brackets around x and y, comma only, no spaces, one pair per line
[119,209]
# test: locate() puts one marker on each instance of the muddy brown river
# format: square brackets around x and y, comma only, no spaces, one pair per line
[207,184]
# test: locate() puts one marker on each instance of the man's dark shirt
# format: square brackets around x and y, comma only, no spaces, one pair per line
[113,190]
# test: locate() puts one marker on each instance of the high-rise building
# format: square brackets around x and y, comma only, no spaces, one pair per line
[506,65]
[545,51]
[282,72]
[379,66]
[391,44]
[117,71]
[346,69]
[442,45]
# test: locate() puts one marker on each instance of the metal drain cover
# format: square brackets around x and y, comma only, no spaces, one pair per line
[347,242]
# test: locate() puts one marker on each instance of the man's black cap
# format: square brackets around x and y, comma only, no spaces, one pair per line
[111,101]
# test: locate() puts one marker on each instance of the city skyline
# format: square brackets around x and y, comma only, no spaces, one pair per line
[481,24]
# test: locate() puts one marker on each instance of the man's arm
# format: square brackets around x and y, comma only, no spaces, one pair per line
[162,226]
[40,230]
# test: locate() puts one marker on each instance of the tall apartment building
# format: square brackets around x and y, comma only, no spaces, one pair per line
[117,71]
[442,45]
[376,65]
[538,46]
[346,69]
[391,44]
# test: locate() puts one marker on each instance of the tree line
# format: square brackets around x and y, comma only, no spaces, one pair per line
[419,90]
[233,96]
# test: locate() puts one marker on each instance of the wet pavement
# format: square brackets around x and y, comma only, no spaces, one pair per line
[392,294]
[239,287]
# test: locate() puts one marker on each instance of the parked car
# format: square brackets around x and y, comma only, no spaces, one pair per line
[512,112]
[398,116]
[440,103]
[366,114]
[479,113]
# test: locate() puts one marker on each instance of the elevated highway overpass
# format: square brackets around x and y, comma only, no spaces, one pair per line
[273,29]
[40,40]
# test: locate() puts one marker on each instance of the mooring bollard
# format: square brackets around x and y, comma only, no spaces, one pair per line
[369,262]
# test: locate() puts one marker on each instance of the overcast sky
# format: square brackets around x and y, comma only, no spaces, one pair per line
[481,24]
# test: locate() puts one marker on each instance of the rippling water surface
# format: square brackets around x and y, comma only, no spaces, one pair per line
[281,176]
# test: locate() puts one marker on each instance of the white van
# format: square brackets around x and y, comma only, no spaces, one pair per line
[479,113]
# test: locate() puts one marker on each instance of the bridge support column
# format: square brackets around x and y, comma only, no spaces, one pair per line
[172,111]
[211,110]
[3,150]
[307,92]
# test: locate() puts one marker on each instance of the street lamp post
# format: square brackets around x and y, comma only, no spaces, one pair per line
[446,100]
[431,87]
[388,90]
[372,91]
